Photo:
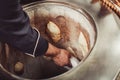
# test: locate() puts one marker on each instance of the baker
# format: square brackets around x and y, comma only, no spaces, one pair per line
[15,30]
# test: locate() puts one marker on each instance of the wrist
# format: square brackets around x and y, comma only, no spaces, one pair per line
[52,50]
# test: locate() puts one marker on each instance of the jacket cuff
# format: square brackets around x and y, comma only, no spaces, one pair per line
[41,45]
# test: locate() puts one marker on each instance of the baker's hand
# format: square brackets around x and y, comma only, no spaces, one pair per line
[59,56]
[62,58]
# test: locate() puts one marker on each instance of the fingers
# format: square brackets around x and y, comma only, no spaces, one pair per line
[62,58]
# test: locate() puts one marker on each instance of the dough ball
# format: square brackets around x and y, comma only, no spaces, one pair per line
[19,67]
[54,31]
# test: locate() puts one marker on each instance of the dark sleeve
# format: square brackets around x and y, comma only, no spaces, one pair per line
[15,29]
[28,1]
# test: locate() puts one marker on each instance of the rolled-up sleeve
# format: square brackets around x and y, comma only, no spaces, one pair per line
[15,29]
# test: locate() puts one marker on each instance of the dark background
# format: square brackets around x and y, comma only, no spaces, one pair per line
[23,2]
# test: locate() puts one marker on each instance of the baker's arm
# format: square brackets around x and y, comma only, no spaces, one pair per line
[15,29]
